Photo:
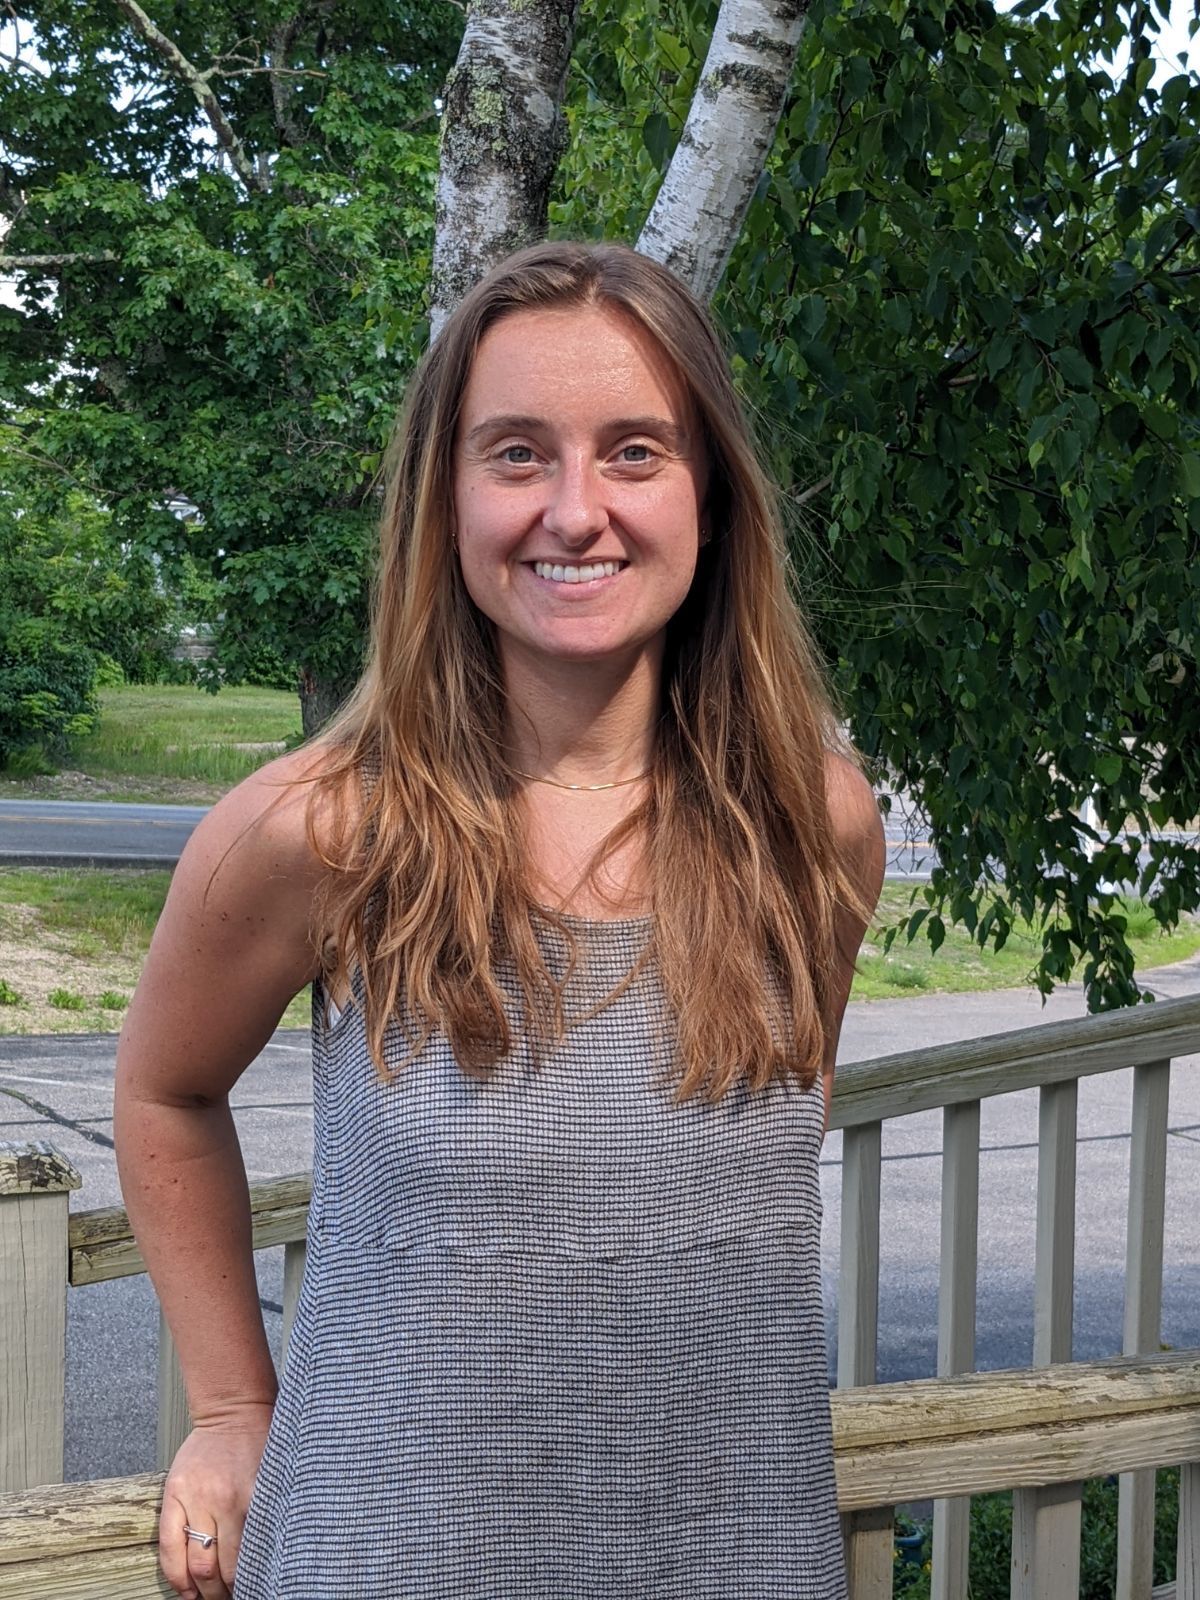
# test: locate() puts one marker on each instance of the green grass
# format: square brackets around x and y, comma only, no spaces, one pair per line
[67,1000]
[174,731]
[90,914]
[88,933]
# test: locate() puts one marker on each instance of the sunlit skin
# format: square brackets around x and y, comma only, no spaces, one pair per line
[577,445]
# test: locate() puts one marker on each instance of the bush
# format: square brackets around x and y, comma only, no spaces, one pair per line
[47,685]
[10,996]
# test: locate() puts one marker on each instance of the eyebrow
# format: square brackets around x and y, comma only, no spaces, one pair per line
[675,436]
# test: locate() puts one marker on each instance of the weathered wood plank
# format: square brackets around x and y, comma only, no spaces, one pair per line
[1045,1548]
[858,1274]
[31,1166]
[1054,1254]
[103,1246]
[987,1403]
[35,1182]
[131,1574]
[62,1519]
[174,1420]
[1187,1560]
[1143,1306]
[974,1069]
[956,1323]
[1014,1458]
[869,1538]
[1048,1521]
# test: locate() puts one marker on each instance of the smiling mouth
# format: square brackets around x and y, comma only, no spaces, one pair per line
[583,572]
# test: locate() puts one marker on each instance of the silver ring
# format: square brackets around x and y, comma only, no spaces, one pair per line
[204,1539]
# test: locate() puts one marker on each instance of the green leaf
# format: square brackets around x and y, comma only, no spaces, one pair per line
[656,136]
[1075,368]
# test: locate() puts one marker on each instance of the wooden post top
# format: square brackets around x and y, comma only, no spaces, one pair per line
[35,1167]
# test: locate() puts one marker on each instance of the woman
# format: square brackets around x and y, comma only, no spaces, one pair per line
[579,876]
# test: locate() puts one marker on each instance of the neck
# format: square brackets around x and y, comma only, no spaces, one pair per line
[582,722]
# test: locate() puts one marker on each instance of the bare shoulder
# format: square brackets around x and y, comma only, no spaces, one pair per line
[857,824]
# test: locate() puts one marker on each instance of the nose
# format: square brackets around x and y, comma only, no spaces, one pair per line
[575,509]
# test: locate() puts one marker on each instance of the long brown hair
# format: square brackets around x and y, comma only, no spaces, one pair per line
[428,888]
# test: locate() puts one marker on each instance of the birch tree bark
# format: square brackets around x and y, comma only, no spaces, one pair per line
[503,132]
[695,221]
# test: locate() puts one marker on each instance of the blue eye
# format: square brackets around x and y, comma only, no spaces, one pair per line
[520,449]
[642,459]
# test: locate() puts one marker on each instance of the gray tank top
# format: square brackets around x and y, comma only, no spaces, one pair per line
[556,1337]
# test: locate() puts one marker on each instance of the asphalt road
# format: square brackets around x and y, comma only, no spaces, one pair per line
[60,1089]
[86,832]
[71,833]
[101,833]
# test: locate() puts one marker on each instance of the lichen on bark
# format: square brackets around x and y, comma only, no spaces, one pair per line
[502,135]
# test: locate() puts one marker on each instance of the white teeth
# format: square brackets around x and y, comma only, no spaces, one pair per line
[586,574]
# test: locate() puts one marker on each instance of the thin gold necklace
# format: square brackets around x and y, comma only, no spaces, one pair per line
[592,787]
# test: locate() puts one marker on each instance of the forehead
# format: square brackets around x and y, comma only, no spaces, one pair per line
[575,359]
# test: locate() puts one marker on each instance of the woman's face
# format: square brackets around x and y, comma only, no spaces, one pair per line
[579,481]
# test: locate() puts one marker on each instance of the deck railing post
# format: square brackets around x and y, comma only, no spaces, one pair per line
[174,1419]
[1047,1522]
[956,1323]
[1143,1306]
[869,1536]
[35,1183]
[1187,1561]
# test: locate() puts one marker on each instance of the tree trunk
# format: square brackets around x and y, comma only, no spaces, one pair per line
[502,134]
[319,699]
[696,219]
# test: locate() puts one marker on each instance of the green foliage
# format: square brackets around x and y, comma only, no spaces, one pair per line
[46,692]
[66,1000]
[966,309]
[75,606]
[246,351]
[110,1000]
[10,996]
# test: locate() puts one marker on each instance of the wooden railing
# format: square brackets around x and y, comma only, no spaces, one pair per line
[1038,1432]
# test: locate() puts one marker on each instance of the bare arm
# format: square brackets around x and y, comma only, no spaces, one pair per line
[226,958]
[232,947]
[858,826]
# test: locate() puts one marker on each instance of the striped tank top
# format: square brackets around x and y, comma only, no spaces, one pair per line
[557,1338]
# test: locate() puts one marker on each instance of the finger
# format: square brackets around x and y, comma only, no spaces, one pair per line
[204,1562]
[172,1547]
[228,1545]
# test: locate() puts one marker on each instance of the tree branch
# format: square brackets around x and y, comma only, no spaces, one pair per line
[199,84]
[723,148]
[503,131]
[812,491]
[282,41]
